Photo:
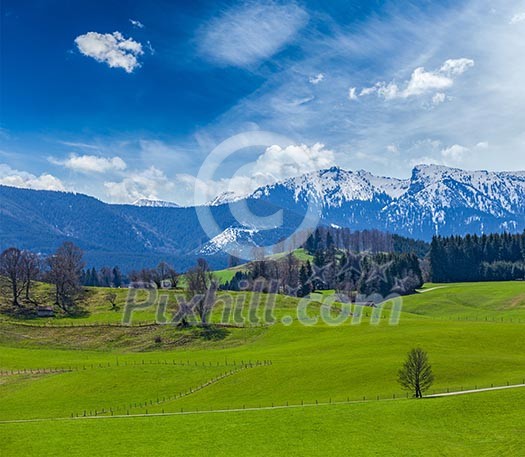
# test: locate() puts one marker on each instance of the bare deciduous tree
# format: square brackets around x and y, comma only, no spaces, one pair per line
[201,289]
[12,275]
[65,268]
[30,269]
[416,375]
[166,273]
[111,298]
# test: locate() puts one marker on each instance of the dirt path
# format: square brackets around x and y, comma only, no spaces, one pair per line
[473,391]
[424,291]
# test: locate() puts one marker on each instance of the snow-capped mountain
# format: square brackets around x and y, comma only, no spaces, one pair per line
[228,239]
[434,200]
[334,186]
[154,203]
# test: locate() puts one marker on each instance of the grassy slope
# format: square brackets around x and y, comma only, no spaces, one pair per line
[309,363]
[99,311]
[488,300]
[227,274]
[480,424]
[491,301]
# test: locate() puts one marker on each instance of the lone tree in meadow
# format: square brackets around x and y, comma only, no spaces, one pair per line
[111,298]
[201,289]
[416,375]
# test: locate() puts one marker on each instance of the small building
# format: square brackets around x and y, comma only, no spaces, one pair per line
[369,304]
[45,311]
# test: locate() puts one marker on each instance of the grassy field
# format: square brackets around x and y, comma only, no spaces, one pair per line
[482,301]
[161,369]
[476,425]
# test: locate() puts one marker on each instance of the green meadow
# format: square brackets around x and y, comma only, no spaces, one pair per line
[282,389]
[477,425]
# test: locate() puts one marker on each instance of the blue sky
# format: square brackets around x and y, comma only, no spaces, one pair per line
[123,100]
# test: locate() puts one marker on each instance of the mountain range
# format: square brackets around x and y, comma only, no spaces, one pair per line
[434,200]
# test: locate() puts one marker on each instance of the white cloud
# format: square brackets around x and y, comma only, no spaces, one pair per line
[438,98]
[316,79]
[274,164]
[15,178]
[456,66]
[150,184]
[278,163]
[111,48]
[388,48]
[430,151]
[482,145]
[427,160]
[392,148]
[422,81]
[136,23]
[455,153]
[243,36]
[91,164]
[367,91]
[352,95]
[517,18]
[388,91]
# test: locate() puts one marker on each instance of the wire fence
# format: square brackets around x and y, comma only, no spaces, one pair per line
[136,363]
[162,399]
[246,324]
[66,325]
[493,319]
[151,408]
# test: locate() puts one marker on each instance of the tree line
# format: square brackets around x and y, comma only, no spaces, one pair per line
[495,257]
[334,267]
[161,276]
[21,269]
[371,241]
[65,271]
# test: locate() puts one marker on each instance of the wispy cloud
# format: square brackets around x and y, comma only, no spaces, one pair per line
[438,98]
[316,79]
[447,85]
[79,145]
[246,35]
[517,18]
[111,48]
[137,24]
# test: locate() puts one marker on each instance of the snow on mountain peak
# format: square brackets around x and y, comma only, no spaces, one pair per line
[434,194]
[225,197]
[228,239]
[334,186]
[154,203]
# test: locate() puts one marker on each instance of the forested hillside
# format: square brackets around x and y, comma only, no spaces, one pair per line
[492,257]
